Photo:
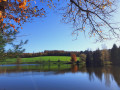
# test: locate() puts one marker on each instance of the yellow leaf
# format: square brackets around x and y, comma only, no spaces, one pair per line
[103,7]
[4,0]
[0,14]
[34,9]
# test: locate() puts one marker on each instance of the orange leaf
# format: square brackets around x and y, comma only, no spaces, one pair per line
[0,14]
[21,11]
[4,24]
[4,0]
[4,16]
[10,5]
[22,4]
[16,19]
[11,25]
[19,0]
[2,19]
[42,14]
[15,30]
[26,17]
[19,20]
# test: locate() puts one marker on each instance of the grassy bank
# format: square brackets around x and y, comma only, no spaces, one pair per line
[39,59]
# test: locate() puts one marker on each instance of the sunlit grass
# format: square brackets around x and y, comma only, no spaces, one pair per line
[38,59]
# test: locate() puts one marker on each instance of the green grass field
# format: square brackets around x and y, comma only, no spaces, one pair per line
[38,59]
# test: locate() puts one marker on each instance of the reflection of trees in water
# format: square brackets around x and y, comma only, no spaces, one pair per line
[107,75]
[74,68]
[107,79]
[90,72]
[107,72]
[115,71]
[18,67]
[98,72]
[58,68]
[93,72]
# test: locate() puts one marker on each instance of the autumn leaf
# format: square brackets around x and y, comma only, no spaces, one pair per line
[103,7]
[34,9]
[4,24]
[4,0]
[23,4]
[26,17]
[15,30]
[19,0]
[0,14]
[1,20]
[11,25]
[10,5]
[18,20]
[42,13]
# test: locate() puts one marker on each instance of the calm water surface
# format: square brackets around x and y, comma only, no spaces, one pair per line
[59,77]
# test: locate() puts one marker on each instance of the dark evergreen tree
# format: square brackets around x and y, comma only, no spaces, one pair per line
[97,58]
[89,58]
[114,54]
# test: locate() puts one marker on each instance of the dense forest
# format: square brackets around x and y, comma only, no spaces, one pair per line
[98,57]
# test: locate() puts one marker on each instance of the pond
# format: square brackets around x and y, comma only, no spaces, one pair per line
[59,77]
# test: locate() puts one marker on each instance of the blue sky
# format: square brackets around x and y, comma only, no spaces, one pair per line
[50,33]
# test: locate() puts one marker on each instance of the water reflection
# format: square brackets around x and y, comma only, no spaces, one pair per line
[108,71]
[108,76]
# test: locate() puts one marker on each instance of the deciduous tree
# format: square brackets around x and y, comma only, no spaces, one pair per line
[92,16]
[83,57]
[73,57]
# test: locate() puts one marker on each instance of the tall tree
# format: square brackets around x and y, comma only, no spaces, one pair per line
[114,54]
[83,57]
[105,55]
[89,58]
[97,58]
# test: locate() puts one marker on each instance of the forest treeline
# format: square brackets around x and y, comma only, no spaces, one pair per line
[97,57]
[51,53]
